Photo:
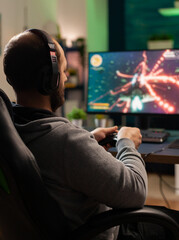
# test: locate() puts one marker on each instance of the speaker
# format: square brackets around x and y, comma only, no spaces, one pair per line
[49,76]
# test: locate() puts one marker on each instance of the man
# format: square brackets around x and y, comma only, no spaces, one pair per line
[80,174]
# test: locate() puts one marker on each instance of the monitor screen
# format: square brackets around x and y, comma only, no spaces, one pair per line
[134,82]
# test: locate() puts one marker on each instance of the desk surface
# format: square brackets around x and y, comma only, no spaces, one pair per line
[159,152]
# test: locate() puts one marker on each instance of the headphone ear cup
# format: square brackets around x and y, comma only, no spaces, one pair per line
[44,80]
[55,81]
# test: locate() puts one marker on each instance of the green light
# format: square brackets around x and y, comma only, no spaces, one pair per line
[3,182]
[97,25]
[169,12]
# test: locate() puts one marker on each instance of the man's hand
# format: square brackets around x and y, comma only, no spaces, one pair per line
[125,132]
[101,133]
[131,133]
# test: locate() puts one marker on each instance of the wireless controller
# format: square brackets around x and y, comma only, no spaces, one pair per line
[110,139]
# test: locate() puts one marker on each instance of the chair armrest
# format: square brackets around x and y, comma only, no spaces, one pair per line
[111,218]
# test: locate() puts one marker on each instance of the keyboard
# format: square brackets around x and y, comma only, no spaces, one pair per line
[154,136]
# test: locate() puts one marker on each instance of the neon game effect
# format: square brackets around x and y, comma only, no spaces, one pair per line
[146,89]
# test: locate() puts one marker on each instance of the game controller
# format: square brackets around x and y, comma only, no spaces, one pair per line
[110,139]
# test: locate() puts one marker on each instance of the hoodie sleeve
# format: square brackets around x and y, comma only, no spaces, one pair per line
[119,182]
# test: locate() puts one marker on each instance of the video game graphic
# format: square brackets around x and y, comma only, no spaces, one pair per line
[134,82]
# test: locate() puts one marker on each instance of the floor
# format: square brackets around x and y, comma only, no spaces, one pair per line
[162,194]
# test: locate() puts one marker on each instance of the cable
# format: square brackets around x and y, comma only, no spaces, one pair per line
[162,193]
[160,177]
[167,184]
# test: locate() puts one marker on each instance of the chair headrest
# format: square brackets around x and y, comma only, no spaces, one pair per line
[7,102]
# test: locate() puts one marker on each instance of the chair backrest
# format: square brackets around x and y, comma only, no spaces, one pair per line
[27,211]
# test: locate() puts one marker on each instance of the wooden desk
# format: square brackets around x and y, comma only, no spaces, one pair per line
[159,152]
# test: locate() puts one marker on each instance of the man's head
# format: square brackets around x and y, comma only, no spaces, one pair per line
[29,65]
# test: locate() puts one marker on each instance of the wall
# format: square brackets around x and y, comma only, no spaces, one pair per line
[13,21]
[97,25]
[79,18]
[142,20]
[85,18]
[9,27]
[133,22]
[72,19]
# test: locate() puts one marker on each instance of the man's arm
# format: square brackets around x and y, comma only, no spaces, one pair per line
[116,182]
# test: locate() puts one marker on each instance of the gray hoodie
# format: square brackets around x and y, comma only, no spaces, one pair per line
[81,175]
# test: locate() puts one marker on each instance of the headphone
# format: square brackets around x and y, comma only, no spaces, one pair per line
[49,76]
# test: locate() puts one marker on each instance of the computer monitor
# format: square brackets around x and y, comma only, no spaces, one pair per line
[144,82]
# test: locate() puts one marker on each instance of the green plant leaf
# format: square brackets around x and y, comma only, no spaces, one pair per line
[77,113]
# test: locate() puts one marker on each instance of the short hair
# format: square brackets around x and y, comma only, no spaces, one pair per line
[24,55]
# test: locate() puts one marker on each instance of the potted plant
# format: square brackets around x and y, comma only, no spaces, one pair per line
[76,116]
[160,41]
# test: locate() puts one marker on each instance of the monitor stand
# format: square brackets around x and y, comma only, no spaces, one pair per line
[142,122]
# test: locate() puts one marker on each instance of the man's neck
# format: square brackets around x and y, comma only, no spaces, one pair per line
[34,99]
